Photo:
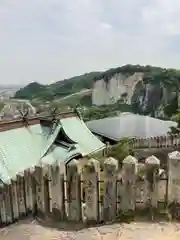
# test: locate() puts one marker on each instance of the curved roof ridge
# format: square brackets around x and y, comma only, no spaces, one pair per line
[52,138]
[70,139]
[77,130]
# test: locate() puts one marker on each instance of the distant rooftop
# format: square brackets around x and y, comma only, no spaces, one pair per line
[130,125]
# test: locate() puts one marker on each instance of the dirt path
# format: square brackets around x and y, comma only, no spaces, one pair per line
[31,230]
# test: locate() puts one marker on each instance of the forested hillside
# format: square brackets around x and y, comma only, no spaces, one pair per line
[157,93]
[59,89]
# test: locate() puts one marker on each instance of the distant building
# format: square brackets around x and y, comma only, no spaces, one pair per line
[26,143]
[129,125]
[11,109]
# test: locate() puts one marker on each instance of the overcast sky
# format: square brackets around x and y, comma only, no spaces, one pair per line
[49,40]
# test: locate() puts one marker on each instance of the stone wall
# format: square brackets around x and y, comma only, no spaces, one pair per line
[49,192]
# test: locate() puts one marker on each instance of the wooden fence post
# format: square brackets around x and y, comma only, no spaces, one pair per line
[74,191]
[129,173]
[110,198]
[152,173]
[91,178]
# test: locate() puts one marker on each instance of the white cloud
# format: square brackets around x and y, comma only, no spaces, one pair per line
[46,40]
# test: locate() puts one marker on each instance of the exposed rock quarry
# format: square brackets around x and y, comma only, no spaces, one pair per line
[117,87]
[150,97]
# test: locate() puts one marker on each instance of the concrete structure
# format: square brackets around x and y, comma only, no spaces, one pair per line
[45,188]
[43,191]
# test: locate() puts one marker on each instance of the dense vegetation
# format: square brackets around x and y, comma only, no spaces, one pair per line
[59,89]
[175,130]
[127,70]
[105,111]
[1,105]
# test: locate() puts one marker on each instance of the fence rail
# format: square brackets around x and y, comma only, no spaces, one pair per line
[81,194]
[169,141]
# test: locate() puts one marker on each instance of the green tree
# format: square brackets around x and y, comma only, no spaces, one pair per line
[121,150]
[175,130]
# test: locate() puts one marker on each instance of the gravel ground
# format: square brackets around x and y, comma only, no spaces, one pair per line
[31,230]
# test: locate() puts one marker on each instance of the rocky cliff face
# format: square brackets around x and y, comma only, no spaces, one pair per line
[117,87]
[133,89]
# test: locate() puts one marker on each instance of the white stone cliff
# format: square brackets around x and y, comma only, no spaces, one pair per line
[115,89]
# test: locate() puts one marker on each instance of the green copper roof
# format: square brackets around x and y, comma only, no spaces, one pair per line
[19,149]
[77,130]
[25,147]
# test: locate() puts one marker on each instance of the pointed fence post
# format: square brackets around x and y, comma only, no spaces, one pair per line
[57,189]
[74,191]
[3,220]
[174,177]
[141,192]
[34,191]
[21,195]
[28,190]
[174,183]
[110,195]
[32,188]
[38,174]
[62,191]
[129,173]
[8,203]
[47,189]
[91,181]
[15,200]
[152,174]
[26,186]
